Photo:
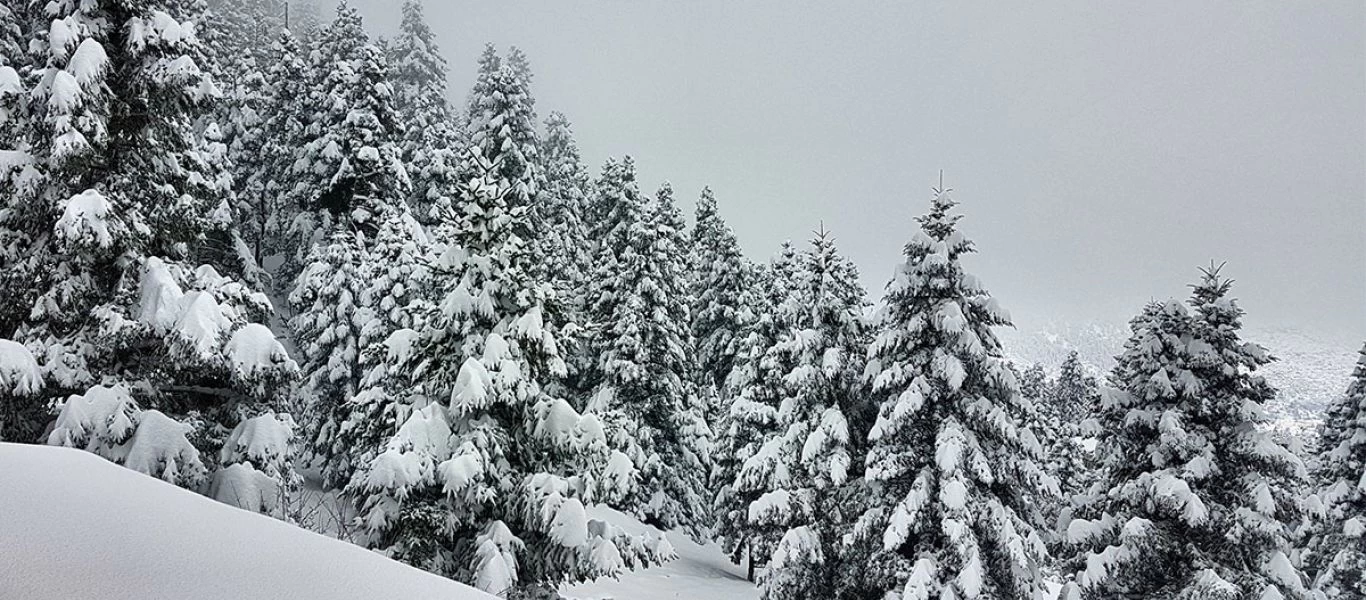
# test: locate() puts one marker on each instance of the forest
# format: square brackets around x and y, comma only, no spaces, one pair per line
[261,260]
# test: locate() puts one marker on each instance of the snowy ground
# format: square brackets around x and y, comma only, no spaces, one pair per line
[700,571]
[73,525]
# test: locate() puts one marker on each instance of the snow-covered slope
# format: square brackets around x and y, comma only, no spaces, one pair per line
[700,571]
[73,525]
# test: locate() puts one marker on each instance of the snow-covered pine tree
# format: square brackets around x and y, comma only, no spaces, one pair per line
[816,447]
[354,114]
[338,312]
[1069,401]
[502,124]
[642,369]
[283,117]
[1034,383]
[237,37]
[397,294]
[1338,548]
[430,138]
[1074,393]
[488,479]
[953,466]
[719,287]
[755,387]
[1195,495]
[565,248]
[118,238]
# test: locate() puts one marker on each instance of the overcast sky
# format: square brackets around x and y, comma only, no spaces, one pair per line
[1100,151]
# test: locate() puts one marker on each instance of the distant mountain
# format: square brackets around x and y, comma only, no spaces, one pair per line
[1310,371]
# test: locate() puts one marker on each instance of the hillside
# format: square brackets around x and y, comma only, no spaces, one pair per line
[77,526]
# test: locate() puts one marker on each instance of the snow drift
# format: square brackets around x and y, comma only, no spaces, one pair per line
[73,525]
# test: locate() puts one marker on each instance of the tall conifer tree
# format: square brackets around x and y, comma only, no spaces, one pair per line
[955,511]
[1195,497]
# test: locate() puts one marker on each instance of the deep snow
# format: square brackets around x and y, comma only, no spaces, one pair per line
[73,525]
[700,571]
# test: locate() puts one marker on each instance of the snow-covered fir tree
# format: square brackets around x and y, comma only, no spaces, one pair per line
[337,313]
[641,369]
[1195,497]
[125,280]
[1338,547]
[719,287]
[396,295]
[430,139]
[565,248]
[1068,401]
[756,389]
[1034,383]
[266,153]
[954,470]
[353,113]
[502,124]
[816,447]
[488,478]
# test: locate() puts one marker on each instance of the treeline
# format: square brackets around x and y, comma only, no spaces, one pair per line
[481,342]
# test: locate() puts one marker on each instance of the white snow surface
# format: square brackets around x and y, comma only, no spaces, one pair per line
[700,571]
[77,526]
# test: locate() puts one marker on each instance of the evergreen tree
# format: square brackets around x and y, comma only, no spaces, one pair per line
[488,481]
[719,286]
[13,57]
[565,247]
[1195,496]
[122,271]
[396,295]
[954,511]
[756,388]
[338,315]
[1070,401]
[502,124]
[429,140]
[266,157]
[354,120]
[639,341]
[815,448]
[1339,546]
[1034,383]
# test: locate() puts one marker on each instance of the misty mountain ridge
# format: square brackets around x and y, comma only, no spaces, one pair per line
[1310,370]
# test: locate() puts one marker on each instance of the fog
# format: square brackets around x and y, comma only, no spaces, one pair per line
[1100,152]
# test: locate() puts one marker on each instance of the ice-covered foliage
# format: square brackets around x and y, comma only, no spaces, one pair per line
[487,480]
[641,347]
[1195,498]
[1338,546]
[955,472]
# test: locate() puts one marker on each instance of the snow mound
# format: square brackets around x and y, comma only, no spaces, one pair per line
[19,373]
[77,526]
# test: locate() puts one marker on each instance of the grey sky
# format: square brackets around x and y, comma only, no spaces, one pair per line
[1100,151]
